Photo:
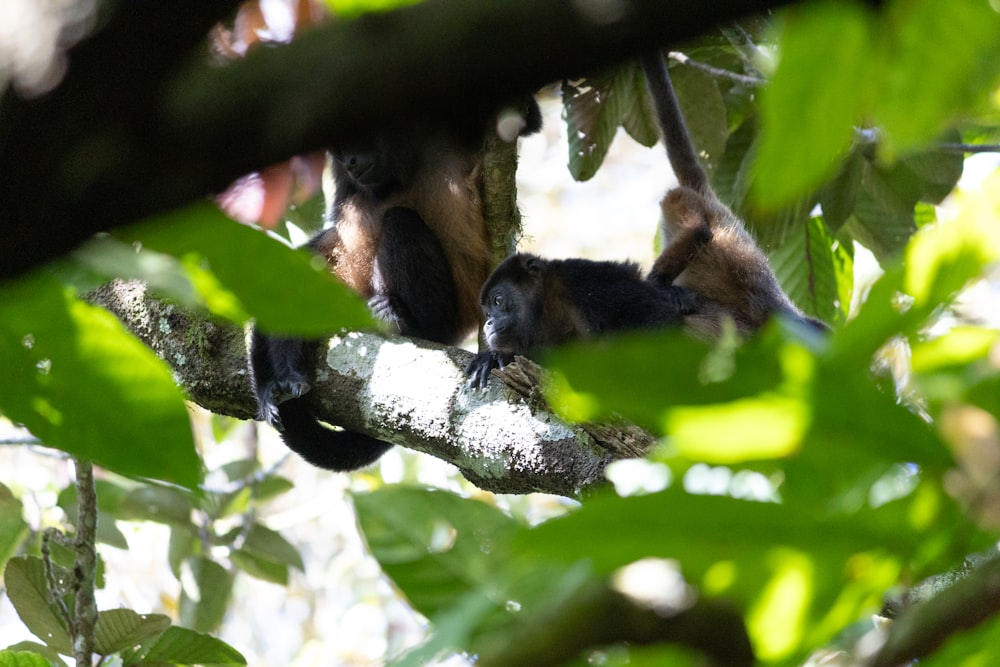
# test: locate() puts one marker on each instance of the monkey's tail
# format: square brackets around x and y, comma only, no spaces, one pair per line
[676,138]
[340,451]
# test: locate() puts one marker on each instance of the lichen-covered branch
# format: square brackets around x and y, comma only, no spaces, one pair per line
[409,392]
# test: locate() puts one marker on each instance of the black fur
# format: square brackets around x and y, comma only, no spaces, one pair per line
[407,233]
[532,303]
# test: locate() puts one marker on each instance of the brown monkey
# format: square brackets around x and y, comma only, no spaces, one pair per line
[729,276]
[408,234]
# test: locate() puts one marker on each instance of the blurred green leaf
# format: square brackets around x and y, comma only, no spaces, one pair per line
[109,496]
[80,382]
[49,654]
[206,587]
[13,528]
[156,503]
[22,659]
[436,546]
[353,8]
[240,272]
[920,91]
[839,196]
[183,544]
[807,128]
[267,555]
[642,375]
[28,590]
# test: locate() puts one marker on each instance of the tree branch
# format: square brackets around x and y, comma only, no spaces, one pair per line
[409,392]
[136,128]
[923,628]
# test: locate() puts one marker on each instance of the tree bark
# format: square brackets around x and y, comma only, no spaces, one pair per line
[410,392]
[144,122]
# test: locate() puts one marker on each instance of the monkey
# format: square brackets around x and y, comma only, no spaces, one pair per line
[729,275]
[532,303]
[406,233]
[710,270]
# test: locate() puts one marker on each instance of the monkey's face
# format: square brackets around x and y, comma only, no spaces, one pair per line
[505,325]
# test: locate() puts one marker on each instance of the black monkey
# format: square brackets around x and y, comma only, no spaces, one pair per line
[532,303]
[728,275]
[408,234]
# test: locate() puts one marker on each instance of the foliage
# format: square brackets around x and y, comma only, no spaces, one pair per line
[805,479]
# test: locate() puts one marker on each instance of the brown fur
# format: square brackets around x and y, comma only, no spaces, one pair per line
[708,250]
[447,198]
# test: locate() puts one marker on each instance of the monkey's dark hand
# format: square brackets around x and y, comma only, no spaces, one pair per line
[276,392]
[479,368]
[387,308]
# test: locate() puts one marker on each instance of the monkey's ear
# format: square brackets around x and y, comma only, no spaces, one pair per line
[533,265]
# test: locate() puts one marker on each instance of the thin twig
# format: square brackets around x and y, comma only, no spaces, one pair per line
[752,81]
[56,591]
[969,148]
[84,571]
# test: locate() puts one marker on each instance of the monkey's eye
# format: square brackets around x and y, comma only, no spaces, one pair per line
[497,300]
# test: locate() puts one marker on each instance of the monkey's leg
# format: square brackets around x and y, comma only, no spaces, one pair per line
[414,288]
[281,370]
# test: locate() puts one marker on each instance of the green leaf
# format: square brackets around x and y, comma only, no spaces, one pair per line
[815,271]
[183,543]
[839,196]
[156,503]
[921,91]
[119,629]
[594,108]
[639,119]
[353,8]
[818,93]
[642,375]
[28,590]
[261,568]
[13,528]
[704,113]
[80,382]
[265,543]
[108,497]
[205,590]
[437,547]
[454,627]
[22,659]
[884,218]
[267,555]
[180,646]
[241,272]
[51,656]
[700,531]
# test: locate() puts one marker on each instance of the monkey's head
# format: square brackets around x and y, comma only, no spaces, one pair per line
[511,299]
[379,169]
